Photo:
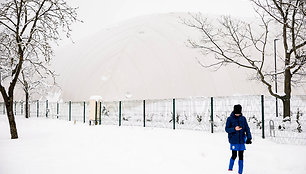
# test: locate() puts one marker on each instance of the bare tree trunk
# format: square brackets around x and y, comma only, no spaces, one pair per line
[8,100]
[286,109]
[27,115]
[287,97]
[29,27]
[11,118]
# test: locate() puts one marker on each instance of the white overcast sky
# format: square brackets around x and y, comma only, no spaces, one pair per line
[98,14]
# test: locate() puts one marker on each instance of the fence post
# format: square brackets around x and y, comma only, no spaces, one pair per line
[119,113]
[173,114]
[21,107]
[263,116]
[46,108]
[37,108]
[144,113]
[100,113]
[84,111]
[96,112]
[212,114]
[57,109]
[69,111]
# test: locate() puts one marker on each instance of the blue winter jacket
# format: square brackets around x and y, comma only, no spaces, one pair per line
[237,137]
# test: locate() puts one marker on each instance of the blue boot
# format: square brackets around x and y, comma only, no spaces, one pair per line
[231,164]
[240,164]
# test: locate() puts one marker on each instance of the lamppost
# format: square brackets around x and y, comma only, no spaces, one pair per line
[276,101]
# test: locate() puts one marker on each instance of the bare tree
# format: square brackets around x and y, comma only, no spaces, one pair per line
[27,28]
[35,79]
[233,41]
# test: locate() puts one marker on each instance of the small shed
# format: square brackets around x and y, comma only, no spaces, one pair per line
[95,107]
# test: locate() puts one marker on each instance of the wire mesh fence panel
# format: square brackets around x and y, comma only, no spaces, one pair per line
[18,107]
[110,113]
[290,130]
[33,108]
[190,113]
[270,107]
[159,113]
[77,111]
[270,115]
[63,111]
[22,108]
[132,113]
[53,110]
[251,109]
[193,113]
[298,108]
[43,109]
[15,108]
[287,132]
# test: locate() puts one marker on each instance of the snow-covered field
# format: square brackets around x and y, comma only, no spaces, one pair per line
[49,146]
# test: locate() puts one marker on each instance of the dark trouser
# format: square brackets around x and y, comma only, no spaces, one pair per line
[234,154]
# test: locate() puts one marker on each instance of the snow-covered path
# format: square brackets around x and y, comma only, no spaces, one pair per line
[50,146]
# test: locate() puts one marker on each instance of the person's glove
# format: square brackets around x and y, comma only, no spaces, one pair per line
[248,141]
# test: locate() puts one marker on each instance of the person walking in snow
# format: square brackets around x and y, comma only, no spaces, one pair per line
[238,135]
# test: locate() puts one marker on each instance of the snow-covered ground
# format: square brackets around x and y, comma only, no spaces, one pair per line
[49,146]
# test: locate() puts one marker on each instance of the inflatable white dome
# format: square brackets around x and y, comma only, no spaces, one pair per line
[146,58]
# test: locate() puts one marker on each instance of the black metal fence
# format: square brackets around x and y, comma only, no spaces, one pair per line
[199,113]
